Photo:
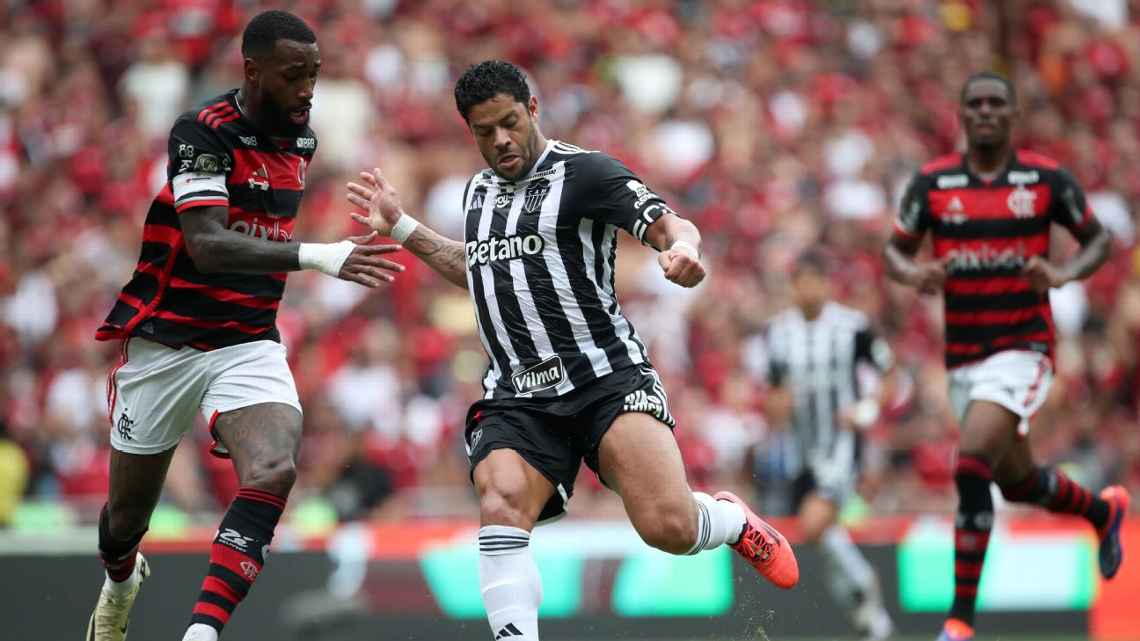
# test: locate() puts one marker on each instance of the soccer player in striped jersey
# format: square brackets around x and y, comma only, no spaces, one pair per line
[989,212]
[197,322]
[816,351]
[568,377]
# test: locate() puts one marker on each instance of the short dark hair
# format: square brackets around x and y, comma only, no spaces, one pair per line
[812,259]
[486,80]
[266,28]
[988,75]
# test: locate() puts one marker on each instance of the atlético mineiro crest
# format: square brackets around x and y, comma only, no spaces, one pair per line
[1022,202]
[535,195]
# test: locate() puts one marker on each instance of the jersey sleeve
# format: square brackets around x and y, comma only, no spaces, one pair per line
[873,350]
[198,162]
[1069,207]
[777,358]
[914,218]
[615,195]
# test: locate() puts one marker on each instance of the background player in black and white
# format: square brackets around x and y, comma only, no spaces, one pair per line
[568,378]
[815,351]
[197,323]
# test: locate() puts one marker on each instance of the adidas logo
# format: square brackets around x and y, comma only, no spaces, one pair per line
[509,630]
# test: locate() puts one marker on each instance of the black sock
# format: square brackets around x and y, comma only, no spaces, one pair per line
[118,556]
[1056,492]
[971,533]
[237,555]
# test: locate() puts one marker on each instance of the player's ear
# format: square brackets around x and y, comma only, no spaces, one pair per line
[532,107]
[251,70]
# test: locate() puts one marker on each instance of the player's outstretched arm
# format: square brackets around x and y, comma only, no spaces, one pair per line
[381,202]
[679,242]
[902,266]
[214,249]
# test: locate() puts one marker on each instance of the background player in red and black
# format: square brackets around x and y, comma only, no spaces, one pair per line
[197,322]
[989,213]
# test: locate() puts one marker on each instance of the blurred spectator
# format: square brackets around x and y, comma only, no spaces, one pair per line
[773,124]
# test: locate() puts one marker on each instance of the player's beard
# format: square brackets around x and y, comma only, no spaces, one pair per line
[278,118]
[529,154]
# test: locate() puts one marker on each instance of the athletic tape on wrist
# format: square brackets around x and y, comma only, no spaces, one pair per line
[324,257]
[403,228]
[686,247]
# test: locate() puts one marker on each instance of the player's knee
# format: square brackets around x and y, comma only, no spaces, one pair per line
[505,505]
[274,474]
[672,530]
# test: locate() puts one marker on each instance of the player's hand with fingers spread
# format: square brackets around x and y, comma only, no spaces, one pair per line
[366,264]
[379,200]
[682,264]
[1042,274]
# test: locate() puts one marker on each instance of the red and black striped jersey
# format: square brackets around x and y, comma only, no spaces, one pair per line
[984,233]
[217,157]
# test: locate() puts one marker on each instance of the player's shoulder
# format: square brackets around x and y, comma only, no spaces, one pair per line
[1035,160]
[941,164]
[585,161]
[208,119]
[844,315]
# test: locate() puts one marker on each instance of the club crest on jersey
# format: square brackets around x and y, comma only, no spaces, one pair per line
[259,179]
[535,195]
[1022,202]
[547,374]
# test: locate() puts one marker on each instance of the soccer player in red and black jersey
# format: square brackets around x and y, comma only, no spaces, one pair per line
[989,212]
[197,322]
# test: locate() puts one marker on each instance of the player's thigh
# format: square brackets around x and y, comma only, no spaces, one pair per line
[817,513]
[252,405]
[153,396]
[988,430]
[262,439]
[639,459]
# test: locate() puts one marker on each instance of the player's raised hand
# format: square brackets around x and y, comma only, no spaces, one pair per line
[365,264]
[1042,274]
[929,277]
[682,265]
[379,200]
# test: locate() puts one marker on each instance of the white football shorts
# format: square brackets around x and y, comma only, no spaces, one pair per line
[155,391]
[1017,380]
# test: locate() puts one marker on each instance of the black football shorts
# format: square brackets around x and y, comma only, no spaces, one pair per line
[554,435]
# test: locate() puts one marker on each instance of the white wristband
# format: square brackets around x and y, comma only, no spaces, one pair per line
[687,248]
[325,257]
[403,228]
[865,413]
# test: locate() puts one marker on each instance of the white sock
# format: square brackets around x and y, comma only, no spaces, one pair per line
[200,632]
[847,570]
[718,522]
[509,581]
[121,588]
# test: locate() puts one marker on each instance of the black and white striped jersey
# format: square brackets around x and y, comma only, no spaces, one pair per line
[540,270]
[818,360]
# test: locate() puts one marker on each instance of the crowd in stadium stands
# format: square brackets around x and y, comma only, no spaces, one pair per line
[773,124]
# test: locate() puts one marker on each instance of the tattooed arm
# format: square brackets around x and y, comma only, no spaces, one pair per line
[381,203]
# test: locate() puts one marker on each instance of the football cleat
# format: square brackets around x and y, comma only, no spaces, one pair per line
[956,630]
[112,613]
[1111,553]
[763,547]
